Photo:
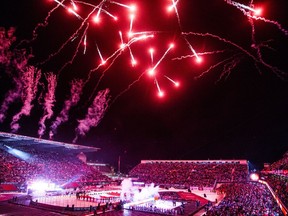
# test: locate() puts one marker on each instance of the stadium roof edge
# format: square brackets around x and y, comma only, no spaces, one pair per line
[16,137]
[241,161]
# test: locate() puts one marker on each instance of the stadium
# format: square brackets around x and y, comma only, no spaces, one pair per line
[139,108]
[42,177]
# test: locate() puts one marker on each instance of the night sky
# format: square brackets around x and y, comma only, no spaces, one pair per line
[232,105]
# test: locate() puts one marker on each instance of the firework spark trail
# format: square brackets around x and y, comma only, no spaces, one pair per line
[99,10]
[255,45]
[76,50]
[241,6]
[70,39]
[132,16]
[228,67]
[151,71]
[160,92]
[248,13]
[215,65]
[30,81]
[99,7]
[274,69]
[141,75]
[174,6]
[131,7]
[94,115]
[49,100]
[102,76]
[127,89]
[199,54]
[84,43]
[173,81]
[192,49]
[100,55]
[75,93]
[138,79]
[121,39]
[133,61]
[39,25]
[114,56]
[253,33]
[68,9]
[151,51]
[279,26]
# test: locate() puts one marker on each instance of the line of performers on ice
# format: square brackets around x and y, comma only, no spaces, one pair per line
[150,208]
[83,196]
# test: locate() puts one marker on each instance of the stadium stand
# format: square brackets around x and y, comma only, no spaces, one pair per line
[276,175]
[251,198]
[24,162]
[190,173]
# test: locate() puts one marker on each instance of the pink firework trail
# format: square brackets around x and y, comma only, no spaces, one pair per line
[30,82]
[6,40]
[255,14]
[11,96]
[95,113]
[49,100]
[43,25]
[15,60]
[76,91]
[274,69]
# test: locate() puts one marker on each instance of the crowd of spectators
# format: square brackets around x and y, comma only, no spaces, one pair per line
[245,199]
[276,175]
[279,184]
[13,169]
[280,165]
[52,166]
[189,174]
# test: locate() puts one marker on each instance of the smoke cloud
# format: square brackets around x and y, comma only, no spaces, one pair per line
[30,81]
[6,40]
[75,93]
[48,104]
[95,113]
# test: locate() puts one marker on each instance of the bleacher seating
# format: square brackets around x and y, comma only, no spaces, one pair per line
[190,174]
[251,198]
[50,166]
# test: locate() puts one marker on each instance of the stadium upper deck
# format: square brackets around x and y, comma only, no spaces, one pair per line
[20,141]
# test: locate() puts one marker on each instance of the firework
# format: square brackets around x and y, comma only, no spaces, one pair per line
[105,24]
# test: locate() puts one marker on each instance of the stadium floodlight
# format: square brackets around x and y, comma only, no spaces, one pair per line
[17,153]
[254,176]
[39,186]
